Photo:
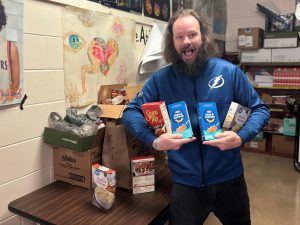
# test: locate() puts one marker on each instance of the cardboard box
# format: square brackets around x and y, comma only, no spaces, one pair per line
[71,141]
[236,116]
[250,38]
[286,55]
[281,40]
[283,144]
[209,120]
[180,120]
[256,145]
[143,174]
[75,167]
[259,136]
[104,186]
[115,111]
[157,117]
[261,55]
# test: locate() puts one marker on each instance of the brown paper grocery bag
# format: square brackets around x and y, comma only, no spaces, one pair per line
[118,149]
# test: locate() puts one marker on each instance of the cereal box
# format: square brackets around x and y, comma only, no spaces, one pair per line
[142,169]
[104,186]
[156,116]
[209,120]
[236,116]
[180,120]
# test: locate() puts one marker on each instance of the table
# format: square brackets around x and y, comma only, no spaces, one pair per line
[60,203]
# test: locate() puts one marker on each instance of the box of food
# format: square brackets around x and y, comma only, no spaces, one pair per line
[180,120]
[75,167]
[259,145]
[143,173]
[157,117]
[250,38]
[236,116]
[104,186]
[209,120]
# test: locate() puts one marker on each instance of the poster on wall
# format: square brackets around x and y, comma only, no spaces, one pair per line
[205,9]
[126,5]
[11,48]
[157,9]
[181,4]
[99,49]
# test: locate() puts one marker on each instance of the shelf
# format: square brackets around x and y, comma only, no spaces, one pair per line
[278,88]
[274,64]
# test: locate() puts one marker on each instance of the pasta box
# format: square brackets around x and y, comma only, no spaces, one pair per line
[180,120]
[209,120]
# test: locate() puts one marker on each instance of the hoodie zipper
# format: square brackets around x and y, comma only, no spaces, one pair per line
[200,146]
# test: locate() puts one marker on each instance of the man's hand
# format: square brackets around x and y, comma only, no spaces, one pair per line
[225,140]
[169,141]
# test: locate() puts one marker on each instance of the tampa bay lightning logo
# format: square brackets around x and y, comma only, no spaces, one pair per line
[216,82]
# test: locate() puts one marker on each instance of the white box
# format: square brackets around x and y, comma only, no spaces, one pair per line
[286,55]
[263,78]
[143,174]
[236,116]
[261,55]
[280,42]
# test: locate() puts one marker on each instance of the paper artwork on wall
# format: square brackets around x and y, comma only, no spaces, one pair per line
[11,57]
[181,4]
[98,49]
[126,5]
[157,9]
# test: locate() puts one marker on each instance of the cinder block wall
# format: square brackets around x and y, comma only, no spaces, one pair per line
[26,162]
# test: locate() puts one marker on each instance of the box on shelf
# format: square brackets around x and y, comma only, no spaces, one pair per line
[75,167]
[261,55]
[250,38]
[286,55]
[71,141]
[274,125]
[289,126]
[281,40]
[259,145]
[115,111]
[283,144]
[143,174]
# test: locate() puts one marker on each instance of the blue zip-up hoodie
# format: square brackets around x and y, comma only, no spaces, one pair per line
[219,81]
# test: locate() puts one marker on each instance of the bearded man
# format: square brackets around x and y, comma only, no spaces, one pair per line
[208,176]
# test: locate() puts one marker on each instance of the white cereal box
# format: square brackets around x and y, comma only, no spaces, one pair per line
[143,173]
[104,186]
[209,120]
[180,120]
[236,116]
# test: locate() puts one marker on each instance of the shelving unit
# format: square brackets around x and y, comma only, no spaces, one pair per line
[277,111]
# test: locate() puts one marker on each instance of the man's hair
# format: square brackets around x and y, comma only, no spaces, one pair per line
[3,18]
[208,45]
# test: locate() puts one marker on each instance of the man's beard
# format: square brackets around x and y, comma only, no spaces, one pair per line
[191,69]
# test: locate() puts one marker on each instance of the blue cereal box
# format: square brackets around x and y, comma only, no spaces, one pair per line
[180,120]
[209,120]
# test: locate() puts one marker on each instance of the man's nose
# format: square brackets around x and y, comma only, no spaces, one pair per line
[186,40]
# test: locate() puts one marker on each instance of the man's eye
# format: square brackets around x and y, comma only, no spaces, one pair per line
[73,41]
